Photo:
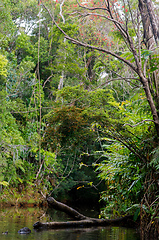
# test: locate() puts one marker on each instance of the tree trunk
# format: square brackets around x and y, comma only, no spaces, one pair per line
[148,34]
[153,20]
[151,104]
[151,36]
[150,23]
[80,220]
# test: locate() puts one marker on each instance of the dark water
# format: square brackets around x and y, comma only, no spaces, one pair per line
[13,219]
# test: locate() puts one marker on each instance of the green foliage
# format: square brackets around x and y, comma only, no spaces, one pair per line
[93,126]
[20,79]
[70,130]
[123,176]
[155,158]
[126,158]
[23,43]
[154,62]
[3,64]
[4,183]
[6,24]
[12,143]
[128,56]
[24,11]
[69,133]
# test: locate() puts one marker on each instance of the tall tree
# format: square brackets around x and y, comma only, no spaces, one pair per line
[120,18]
[137,49]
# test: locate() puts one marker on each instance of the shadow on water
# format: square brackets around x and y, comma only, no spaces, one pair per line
[13,219]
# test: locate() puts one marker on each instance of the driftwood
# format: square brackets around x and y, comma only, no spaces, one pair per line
[80,220]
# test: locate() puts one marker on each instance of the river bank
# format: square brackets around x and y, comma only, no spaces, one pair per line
[30,197]
[27,197]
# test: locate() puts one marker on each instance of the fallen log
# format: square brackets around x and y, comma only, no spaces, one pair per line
[81,221]
[65,208]
[124,221]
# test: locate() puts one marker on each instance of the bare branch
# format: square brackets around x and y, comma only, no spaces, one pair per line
[146,120]
[47,80]
[132,17]
[75,41]
[108,18]
[91,8]
[117,79]
[63,19]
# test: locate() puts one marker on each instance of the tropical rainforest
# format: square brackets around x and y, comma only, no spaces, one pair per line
[79,103]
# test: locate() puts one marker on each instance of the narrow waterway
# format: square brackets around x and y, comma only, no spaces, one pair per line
[13,219]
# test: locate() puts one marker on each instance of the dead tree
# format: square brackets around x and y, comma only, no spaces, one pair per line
[79,219]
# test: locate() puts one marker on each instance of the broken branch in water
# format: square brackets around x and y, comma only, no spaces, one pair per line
[80,219]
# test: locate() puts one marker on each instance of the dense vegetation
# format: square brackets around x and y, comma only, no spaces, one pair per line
[79,102]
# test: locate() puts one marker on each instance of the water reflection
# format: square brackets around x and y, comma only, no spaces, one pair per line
[108,233]
[13,219]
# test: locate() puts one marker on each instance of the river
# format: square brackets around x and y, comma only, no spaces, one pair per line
[13,219]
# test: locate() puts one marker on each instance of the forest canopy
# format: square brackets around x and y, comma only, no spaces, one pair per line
[79,102]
